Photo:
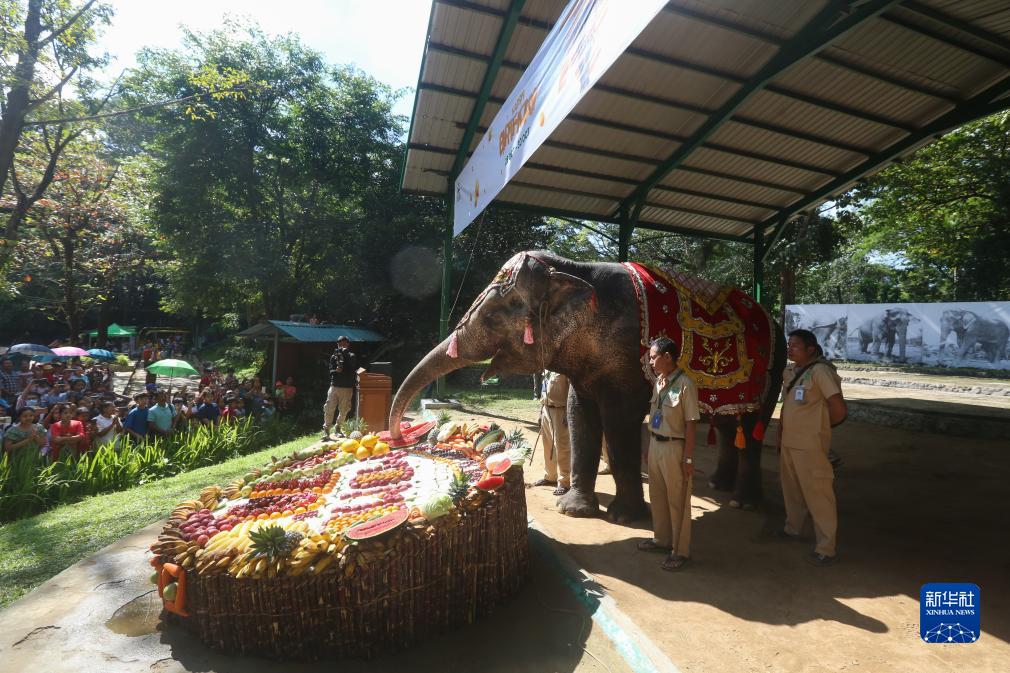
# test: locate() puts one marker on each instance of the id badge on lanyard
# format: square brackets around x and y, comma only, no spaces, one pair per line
[657,414]
[799,394]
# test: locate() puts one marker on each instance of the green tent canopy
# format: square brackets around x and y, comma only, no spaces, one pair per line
[116,331]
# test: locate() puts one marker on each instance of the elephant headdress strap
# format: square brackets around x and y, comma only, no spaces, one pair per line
[725,337]
[504,282]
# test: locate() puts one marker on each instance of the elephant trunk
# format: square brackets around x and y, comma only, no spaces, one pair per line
[436,363]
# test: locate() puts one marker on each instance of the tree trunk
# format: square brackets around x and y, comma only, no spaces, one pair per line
[788,290]
[103,322]
[17,98]
[70,308]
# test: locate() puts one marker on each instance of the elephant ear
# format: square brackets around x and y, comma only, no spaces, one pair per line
[569,299]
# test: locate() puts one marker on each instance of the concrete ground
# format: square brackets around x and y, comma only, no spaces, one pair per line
[913,508]
[102,615]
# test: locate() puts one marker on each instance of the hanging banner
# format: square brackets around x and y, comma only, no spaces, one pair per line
[585,41]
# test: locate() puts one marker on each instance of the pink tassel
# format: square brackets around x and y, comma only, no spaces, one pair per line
[528,333]
[759,431]
[594,305]
[453,349]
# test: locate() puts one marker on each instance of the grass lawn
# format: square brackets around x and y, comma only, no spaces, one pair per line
[33,550]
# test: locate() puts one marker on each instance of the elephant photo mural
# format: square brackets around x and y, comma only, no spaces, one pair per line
[890,334]
[947,334]
[593,322]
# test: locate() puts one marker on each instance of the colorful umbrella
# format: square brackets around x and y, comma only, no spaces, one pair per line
[70,352]
[30,350]
[101,354]
[171,367]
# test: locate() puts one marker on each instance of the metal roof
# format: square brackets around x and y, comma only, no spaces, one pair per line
[724,117]
[308,333]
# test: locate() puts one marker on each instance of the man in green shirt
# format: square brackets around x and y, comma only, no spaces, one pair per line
[159,417]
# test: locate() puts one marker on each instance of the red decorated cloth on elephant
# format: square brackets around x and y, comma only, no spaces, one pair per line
[724,337]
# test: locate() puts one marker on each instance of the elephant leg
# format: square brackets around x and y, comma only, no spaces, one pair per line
[747,491]
[586,431]
[622,426]
[724,478]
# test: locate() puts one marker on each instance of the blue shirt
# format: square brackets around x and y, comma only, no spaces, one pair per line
[136,420]
[161,416]
[207,411]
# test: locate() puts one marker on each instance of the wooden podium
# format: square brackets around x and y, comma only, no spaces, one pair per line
[375,397]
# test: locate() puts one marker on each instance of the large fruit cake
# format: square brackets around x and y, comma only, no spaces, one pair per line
[350,548]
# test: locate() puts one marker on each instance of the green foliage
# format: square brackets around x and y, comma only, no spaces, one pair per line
[946,212]
[30,483]
[36,548]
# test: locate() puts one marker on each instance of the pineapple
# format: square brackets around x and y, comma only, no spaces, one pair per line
[459,487]
[273,542]
[494,447]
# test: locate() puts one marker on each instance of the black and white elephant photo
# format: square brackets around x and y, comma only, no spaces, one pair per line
[828,322]
[584,320]
[878,330]
[965,337]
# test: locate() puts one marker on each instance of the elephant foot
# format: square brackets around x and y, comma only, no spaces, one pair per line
[721,484]
[628,511]
[579,504]
[744,505]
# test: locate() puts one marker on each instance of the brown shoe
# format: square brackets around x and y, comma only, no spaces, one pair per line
[820,560]
[674,562]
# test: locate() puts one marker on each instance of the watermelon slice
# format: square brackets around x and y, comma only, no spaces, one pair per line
[498,464]
[376,527]
[409,434]
[490,483]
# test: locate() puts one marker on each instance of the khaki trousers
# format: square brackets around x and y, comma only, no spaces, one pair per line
[808,487]
[337,400]
[557,445]
[670,496]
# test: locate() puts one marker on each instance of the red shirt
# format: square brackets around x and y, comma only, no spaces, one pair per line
[75,429]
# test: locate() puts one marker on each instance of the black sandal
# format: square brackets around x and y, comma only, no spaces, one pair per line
[674,562]
[560,491]
[652,546]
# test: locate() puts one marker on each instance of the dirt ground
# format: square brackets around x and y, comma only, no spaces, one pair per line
[913,508]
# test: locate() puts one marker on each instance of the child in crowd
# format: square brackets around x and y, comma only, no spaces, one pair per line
[66,435]
[26,435]
[136,420]
[84,415]
[107,426]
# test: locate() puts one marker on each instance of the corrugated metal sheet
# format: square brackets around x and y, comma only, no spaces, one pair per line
[813,122]
[306,333]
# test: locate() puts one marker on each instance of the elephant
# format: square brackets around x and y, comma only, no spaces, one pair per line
[585,320]
[831,336]
[883,328]
[992,335]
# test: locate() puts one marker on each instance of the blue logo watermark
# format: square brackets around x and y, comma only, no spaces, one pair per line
[950,612]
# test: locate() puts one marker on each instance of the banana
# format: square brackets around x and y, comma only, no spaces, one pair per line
[322,565]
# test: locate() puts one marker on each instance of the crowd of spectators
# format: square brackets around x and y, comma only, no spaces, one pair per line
[58,409]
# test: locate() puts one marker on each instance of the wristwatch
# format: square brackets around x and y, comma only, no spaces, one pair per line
[688,461]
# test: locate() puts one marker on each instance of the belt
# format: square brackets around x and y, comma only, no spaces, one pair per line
[664,438]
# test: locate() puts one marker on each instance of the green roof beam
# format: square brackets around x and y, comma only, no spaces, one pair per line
[821,32]
[508,27]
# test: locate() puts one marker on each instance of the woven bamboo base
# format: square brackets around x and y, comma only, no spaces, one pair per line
[423,585]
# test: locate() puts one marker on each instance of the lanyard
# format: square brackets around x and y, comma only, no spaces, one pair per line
[662,394]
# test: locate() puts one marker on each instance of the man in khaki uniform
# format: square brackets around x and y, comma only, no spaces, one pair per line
[554,430]
[812,403]
[672,420]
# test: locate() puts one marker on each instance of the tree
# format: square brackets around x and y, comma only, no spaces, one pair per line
[44,46]
[945,212]
[80,243]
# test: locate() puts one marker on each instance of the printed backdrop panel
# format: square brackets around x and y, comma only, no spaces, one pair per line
[951,334]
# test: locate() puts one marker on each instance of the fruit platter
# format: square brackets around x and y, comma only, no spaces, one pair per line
[352,547]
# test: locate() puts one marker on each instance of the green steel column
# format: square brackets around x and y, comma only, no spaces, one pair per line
[759,267]
[443,316]
[628,219]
